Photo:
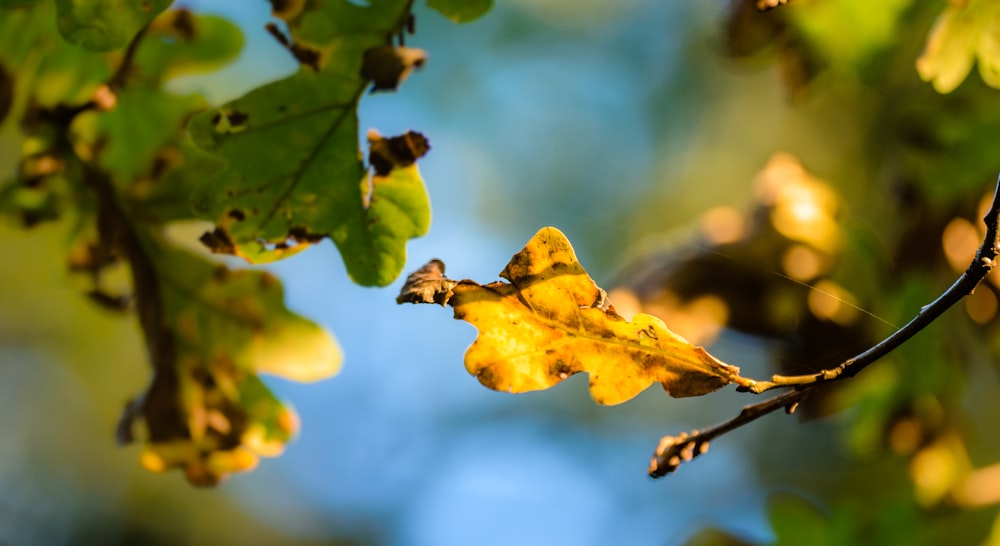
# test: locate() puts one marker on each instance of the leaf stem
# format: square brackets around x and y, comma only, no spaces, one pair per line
[673,450]
[117,81]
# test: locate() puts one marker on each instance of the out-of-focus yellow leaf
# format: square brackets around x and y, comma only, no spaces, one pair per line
[964,32]
[550,321]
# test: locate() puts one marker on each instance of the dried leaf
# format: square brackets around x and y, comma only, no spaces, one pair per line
[388,66]
[550,321]
[427,285]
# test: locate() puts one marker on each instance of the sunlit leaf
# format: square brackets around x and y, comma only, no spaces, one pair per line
[103,25]
[948,56]
[964,32]
[550,321]
[461,11]
[295,175]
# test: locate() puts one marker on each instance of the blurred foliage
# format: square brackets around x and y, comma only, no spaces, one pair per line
[825,264]
[106,147]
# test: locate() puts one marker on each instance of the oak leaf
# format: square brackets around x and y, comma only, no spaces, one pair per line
[294,173]
[550,321]
[964,33]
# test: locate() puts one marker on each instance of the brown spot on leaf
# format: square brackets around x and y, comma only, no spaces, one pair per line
[561,369]
[306,56]
[165,159]
[237,119]
[236,214]
[183,22]
[286,9]
[112,302]
[302,235]
[218,241]
[399,151]
[388,66]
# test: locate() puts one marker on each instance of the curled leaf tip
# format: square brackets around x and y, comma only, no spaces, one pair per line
[427,285]
[388,66]
[387,153]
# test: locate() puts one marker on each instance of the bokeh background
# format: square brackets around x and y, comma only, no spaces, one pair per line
[783,187]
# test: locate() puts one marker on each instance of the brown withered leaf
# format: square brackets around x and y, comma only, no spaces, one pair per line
[550,321]
[427,285]
[388,66]
[385,154]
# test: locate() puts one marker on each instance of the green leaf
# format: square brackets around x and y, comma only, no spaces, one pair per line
[128,148]
[796,521]
[294,170]
[48,68]
[240,315]
[103,25]
[873,28]
[182,43]
[461,11]
[177,172]
[339,19]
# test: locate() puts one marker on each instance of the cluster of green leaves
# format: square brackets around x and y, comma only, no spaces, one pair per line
[106,148]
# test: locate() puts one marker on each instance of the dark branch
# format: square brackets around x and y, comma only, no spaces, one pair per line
[119,235]
[673,450]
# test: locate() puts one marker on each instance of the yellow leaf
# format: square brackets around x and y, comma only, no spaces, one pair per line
[550,321]
[963,33]
[948,55]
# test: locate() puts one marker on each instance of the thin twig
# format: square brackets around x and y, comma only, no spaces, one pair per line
[673,450]
[117,81]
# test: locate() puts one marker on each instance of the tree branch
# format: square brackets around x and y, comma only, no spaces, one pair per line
[673,450]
